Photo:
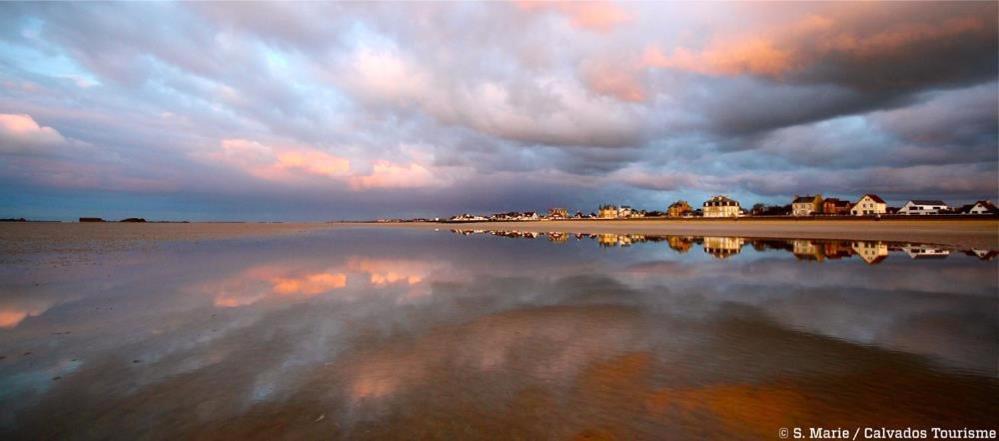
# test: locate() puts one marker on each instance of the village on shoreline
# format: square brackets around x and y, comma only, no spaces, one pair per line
[724,207]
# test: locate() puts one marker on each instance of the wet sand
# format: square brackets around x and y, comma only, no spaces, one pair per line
[964,233]
[27,238]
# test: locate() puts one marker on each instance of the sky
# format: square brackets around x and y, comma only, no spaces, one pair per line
[317,111]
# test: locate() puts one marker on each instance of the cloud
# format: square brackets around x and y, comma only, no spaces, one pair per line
[20,134]
[427,108]
[881,46]
[598,16]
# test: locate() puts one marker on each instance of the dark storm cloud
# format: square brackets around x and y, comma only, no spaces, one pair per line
[378,109]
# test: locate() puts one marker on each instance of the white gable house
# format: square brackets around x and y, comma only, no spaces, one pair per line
[869,204]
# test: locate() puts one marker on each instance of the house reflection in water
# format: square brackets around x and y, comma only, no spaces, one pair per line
[680,244]
[624,240]
[558,237]
[722,247]
[871,252]
[982,254]
[807,250]
[925,252]
[836,249]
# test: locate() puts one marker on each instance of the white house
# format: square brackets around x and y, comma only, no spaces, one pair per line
[980,207]
[624,212]
[918,207]
[465,217]
[721,206]
[868,205]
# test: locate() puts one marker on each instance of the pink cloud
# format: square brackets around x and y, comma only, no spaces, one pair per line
[598,16]
[20,133]
[385,174]
[304,164]
[836,33]
[620,82]
[279,163]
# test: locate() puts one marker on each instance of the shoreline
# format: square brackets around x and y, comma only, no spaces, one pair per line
[20,238]
[965,233]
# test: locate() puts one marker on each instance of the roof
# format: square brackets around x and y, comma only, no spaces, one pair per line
[837,202]
[721,198]
[926,202]
[875,198]
[804,199]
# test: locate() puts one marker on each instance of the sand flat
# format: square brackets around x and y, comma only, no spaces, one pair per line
[19,238]
[968,233]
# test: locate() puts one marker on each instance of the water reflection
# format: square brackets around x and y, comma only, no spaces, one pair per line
[872,252]
[382,334]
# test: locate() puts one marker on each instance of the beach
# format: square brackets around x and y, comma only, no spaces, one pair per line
[25,238]
[369,331]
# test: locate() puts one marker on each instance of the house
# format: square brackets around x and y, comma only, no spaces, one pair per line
[624,212]
[678,209]
[919,207]
[529,215]
[558,213]
[721,206]
[465,217]
[607,212]
[806,205]
[871,252]
[835,207]
[979,208]
[869,205]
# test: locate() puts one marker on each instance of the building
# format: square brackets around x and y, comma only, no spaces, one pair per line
[806,205]
[679,209]
[921,207]
[465,217]
[979,208]
[835,207]
[871,252]
[869,205]
[721,206]
[607,212]
[558,213]
[624,212]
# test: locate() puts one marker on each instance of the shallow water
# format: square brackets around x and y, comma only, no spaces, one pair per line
[398,334]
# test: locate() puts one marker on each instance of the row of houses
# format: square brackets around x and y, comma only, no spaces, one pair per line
[872,205]
[867,205]
[722,206]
